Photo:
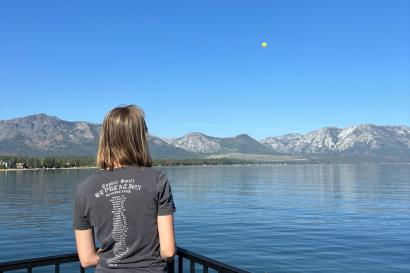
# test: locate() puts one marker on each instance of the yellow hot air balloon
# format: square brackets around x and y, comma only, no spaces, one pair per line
[264,44]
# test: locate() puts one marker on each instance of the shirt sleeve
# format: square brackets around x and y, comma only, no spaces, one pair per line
[166,204]
[80,219]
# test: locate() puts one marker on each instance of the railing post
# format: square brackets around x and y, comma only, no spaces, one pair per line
[180,264]
[57,268]
[191,265]
[171,266]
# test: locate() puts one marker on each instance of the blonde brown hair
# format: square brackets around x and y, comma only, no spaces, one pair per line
[123,138]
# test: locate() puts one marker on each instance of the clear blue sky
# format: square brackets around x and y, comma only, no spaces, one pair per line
[199,66]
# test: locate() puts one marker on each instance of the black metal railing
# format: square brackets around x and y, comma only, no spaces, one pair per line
[178,263]
[29,264]
[207,263]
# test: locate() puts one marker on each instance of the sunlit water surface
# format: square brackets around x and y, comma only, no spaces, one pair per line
[280,218]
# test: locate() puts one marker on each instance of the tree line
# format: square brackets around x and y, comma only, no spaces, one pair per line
[11,162]
[32,162]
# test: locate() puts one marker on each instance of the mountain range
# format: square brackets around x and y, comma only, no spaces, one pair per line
[44,135]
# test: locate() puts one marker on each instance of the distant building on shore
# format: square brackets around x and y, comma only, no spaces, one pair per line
[19,165]
[5,164]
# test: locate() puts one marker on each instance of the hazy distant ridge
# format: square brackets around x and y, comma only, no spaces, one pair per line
[48,135]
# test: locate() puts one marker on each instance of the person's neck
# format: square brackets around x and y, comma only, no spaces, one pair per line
[117,165]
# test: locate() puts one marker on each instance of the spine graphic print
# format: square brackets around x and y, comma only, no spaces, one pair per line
[117,192]
[120,228]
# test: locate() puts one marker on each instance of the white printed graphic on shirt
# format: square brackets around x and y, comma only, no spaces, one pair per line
[117,191]
[119,232]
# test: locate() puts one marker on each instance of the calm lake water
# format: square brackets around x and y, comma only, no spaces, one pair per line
[283,218]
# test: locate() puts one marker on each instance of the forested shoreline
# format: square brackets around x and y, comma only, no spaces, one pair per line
[56,162]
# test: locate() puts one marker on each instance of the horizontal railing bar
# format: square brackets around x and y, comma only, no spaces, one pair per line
[211,263]
[68,258]
[41,261]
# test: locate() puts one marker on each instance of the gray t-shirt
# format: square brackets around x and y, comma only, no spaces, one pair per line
[122,206]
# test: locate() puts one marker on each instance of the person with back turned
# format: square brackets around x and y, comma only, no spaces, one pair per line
[127,203]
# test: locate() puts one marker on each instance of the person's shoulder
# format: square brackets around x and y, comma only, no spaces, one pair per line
[161,178]
[150,171]
[153,173]
[88,182]
[158,172]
